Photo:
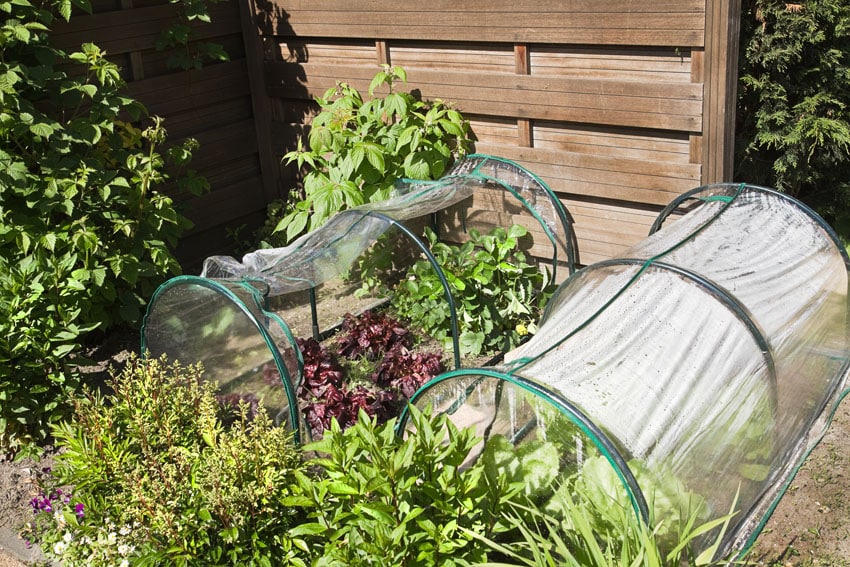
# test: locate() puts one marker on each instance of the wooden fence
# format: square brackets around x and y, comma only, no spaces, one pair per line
[617,105]
[213,104]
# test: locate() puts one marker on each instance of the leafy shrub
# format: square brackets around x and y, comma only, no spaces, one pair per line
[383,499]
[157,478]
[793,130]
[497,294]
[357,149]
[85,232]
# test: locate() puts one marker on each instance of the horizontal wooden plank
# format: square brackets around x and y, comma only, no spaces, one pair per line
[667,22]
[337,53]
[492,130]
[636,144]
[605,228]
[138,29]
[453,57]
[168,94]
[651,104]
[603,177]
[225,203]
[209,116]
[472,7]
[640,64]
[224,143]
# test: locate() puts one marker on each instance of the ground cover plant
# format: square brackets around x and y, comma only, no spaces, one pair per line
[86,232]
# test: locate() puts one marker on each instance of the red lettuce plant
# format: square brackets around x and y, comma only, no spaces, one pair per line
[406,371]
[370,334]
[325,393]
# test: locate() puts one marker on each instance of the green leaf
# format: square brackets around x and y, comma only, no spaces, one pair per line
[62,351]
[307,529]
[42,130]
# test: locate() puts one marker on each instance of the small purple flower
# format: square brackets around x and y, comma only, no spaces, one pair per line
[79,510]
[41,503]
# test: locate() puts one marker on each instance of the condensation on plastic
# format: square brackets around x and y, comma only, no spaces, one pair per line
[328,251]
[710,349]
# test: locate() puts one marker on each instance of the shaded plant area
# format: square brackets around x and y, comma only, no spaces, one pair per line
[793,127]
[86,228]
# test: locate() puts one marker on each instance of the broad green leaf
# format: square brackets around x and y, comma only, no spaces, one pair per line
[42,129]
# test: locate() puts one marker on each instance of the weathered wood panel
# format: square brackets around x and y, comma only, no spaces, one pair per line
[618,106]
[613,22]
[212,104]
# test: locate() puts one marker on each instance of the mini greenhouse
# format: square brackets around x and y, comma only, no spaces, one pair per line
[686,378]
[241,319]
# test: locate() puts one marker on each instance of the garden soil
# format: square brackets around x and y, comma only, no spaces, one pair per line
[810,527]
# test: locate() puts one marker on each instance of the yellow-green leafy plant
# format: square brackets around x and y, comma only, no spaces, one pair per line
[160,473]
[358,148]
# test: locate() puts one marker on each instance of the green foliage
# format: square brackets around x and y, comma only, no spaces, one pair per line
[357,149]
[497,294]
[582,516]
[387,500]
[181,37]
[156,468]
[794,102]
[85,232]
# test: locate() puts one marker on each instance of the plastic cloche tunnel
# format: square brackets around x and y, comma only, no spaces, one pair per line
[687,378]
[224,320]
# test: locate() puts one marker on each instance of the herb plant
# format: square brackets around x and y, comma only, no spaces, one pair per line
[358,148]
[86,231]
[498,295]
[385,499]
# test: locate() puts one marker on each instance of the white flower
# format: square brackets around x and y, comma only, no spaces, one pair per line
[59,547]
[68,537]
[60,518]
[123,549]
[112,538]
[124,563]
[125,530]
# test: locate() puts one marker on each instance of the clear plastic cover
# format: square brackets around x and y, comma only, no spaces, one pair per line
[704,356]
[221,326]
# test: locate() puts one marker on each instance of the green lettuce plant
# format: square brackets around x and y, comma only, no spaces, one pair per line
[85,226]
[358,148]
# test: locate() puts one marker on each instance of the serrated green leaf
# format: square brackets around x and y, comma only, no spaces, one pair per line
[48,241]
